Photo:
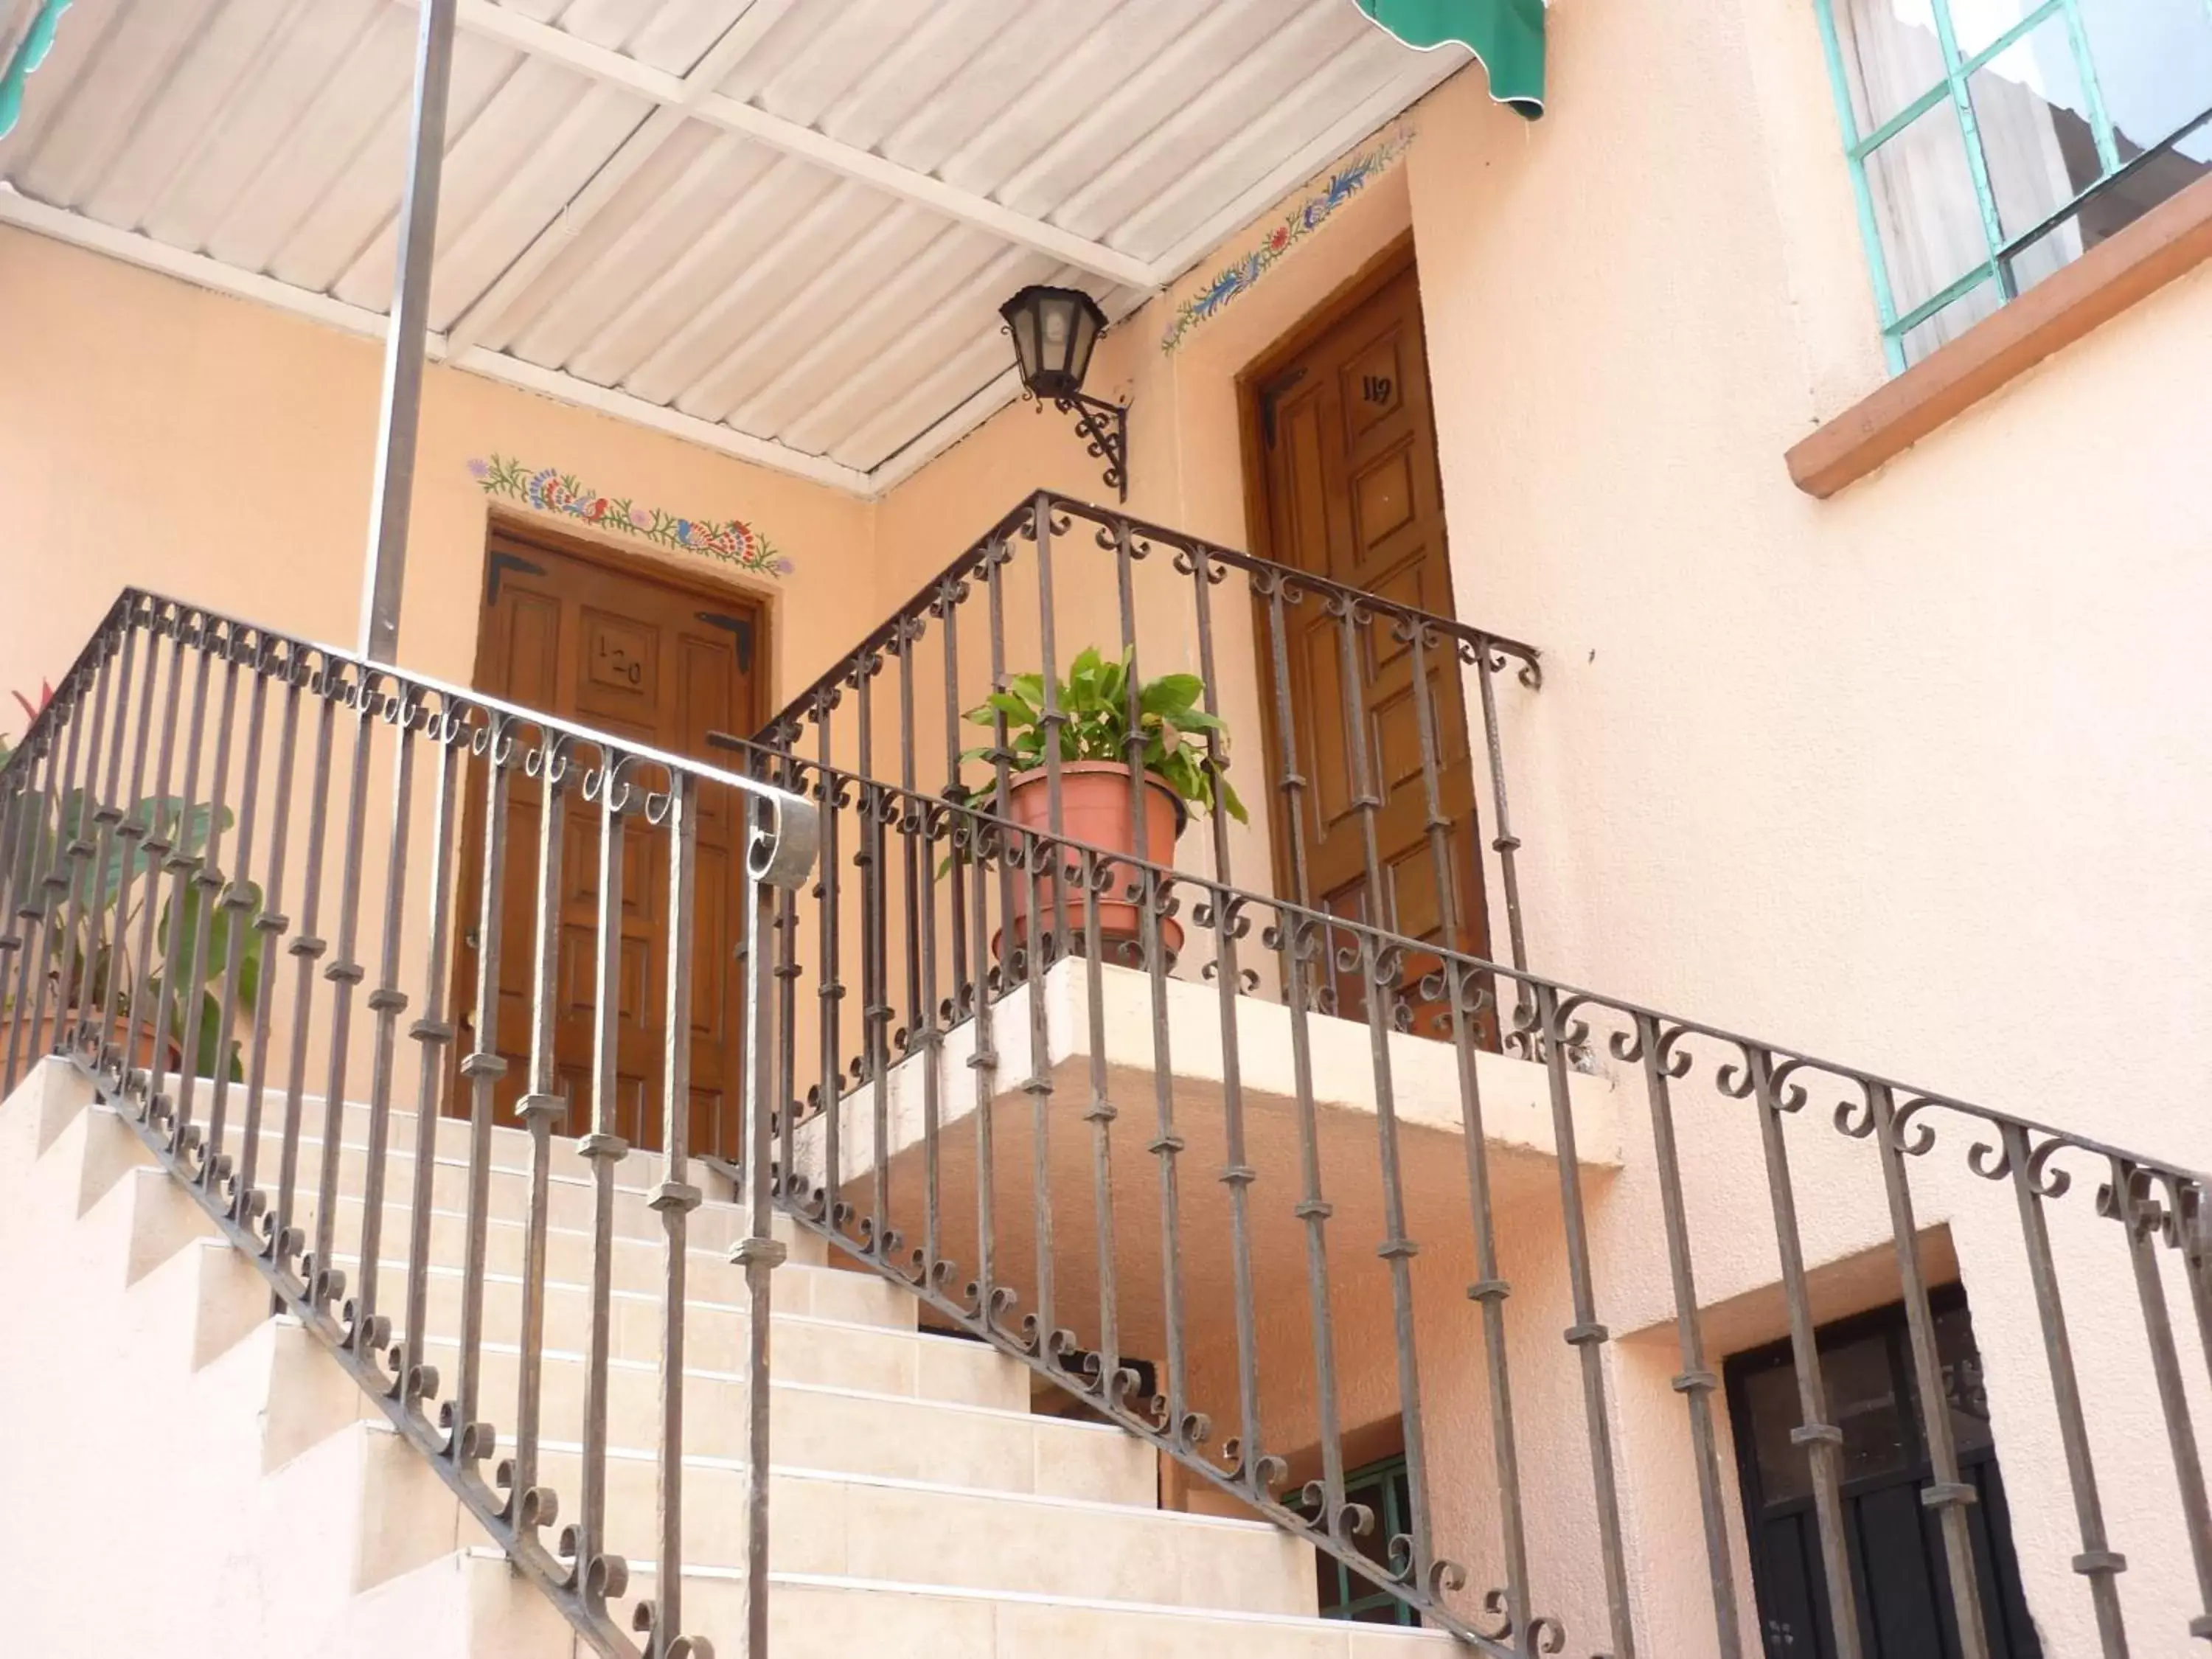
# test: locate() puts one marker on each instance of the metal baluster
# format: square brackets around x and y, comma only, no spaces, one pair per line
[165,826]
[238,903]
[1171,1410]
[30,911]
[326,1283]
[2128,1200]
[983,1292]
[967,972]
[413,1380]
[17,794]
[1696,1381]
[595,1571]
[1418,1565]
[328,684]
[833,986]
[2098,1561]
[101,957]
[1229,926]
[928,1042]
[991,1297]
[1468,991]
[876,1229]
[1044,945]
[1946,1493]
[155,844]
[368,1332]
[1586,1334]
[470,1438]
[787,972]
[760,1252]
[1381,970]
[1822,1440]
[1419,637]
[204,883]
[1504,843]
[675,1198]
[529,1506]
[73,854]
[132,832]
[1105,1375]
[54,881]
[270,922]
[179,863]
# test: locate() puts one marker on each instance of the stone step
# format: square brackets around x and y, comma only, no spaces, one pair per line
[637,1264]
[803,1347]
[877,1528]
[570,1198]
[818,1616]
[845,1431]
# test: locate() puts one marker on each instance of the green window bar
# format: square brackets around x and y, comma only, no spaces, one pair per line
[1954,86]
[1348,1594]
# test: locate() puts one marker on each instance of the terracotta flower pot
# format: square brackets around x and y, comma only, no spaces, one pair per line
[1096,809]
[39,1039]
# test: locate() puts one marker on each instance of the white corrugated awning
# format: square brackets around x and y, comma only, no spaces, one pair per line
[780,227]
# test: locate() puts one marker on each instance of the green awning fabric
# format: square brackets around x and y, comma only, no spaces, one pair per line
[30,51]
[1507,35]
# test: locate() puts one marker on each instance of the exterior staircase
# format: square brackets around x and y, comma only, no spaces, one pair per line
[922,1509]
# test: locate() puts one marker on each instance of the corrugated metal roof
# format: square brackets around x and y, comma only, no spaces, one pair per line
[791,219]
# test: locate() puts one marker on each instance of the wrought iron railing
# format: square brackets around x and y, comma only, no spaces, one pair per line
[968,1144]
[270,757]
[1344,1087]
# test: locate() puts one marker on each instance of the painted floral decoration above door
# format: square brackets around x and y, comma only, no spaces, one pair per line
[547,489]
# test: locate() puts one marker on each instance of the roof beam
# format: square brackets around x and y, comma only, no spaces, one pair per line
[524,34]
[713,67]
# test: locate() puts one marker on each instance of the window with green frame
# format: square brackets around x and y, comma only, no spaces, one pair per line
[1347,1593]
[1993,141]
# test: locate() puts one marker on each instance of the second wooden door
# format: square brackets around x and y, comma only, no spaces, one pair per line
[1352,493]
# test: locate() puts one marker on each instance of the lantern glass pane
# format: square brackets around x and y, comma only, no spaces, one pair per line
[1024,323]
[1085,337]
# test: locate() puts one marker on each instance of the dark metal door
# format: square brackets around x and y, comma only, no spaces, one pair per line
[1896,1544]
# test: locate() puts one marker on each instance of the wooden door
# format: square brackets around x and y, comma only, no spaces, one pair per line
[640,656]
[1348,464]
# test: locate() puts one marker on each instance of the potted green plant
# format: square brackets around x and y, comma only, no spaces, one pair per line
[1097,799]
[90,967]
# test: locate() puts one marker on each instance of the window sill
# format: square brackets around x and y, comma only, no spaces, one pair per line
[2129,266]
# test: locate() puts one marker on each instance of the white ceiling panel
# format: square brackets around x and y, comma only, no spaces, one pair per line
[787,222]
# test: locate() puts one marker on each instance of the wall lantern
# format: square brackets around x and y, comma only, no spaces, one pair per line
[1054,330]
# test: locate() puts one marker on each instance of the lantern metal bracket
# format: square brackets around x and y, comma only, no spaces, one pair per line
[1105,428]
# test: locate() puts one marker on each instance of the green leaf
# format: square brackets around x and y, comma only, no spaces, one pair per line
[1171,694]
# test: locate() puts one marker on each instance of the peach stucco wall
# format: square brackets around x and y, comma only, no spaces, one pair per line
[155,434]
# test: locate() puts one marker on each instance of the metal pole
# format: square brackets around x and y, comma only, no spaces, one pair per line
[405,339]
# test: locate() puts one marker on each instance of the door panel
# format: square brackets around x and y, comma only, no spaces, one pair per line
[661,664]
[1354,493]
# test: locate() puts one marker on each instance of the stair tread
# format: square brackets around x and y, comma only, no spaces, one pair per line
[1033,1598]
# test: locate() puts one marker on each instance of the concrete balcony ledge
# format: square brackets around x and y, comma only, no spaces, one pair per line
[1422,1074]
